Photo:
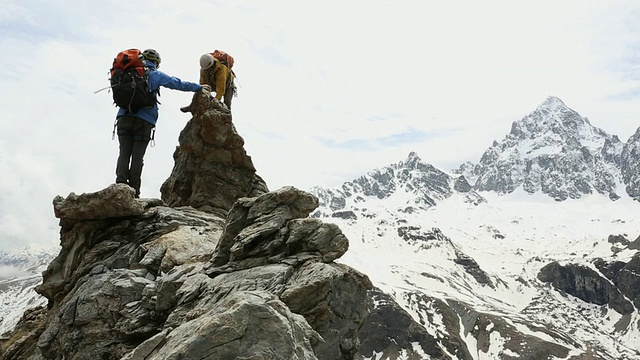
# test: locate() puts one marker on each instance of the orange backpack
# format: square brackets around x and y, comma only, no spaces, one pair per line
[127,59]
[223,57]
[129,81]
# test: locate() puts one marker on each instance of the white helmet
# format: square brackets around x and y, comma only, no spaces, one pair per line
[206,61]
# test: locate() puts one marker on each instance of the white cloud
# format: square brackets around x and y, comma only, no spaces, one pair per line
[328,90]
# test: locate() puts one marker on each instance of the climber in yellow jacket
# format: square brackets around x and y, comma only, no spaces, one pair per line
[219,76]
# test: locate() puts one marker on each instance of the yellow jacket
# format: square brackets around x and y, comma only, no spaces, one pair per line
[218,76]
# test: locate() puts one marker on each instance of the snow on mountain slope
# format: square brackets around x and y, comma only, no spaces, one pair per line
[485,256]
[20,273]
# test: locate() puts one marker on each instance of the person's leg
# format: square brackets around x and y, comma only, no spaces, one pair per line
[142,135]
[125,138]
[228,95]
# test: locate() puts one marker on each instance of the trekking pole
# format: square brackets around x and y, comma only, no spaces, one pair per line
[104,88]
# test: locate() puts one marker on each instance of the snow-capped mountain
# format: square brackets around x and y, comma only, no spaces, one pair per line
[20,273]
[553,150]
[421,184]
[484,260]
[537,260]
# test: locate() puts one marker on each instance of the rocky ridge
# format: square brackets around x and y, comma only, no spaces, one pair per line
[219,268]
[425,184]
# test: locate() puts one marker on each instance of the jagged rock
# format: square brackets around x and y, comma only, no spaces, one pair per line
[261,231]
[630,165]
[624,276]
[333,298]
[486,327]
[345,215]
[472,267]
[389,329]
[628,280]
[136,279]
[461,185]
[618,239]
[586,284]
[117,200]
[271,229]
[212,169]
[245,325]
[112,290]
[23,339]
[129,242]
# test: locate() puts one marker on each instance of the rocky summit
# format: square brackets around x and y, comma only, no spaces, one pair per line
[219,268]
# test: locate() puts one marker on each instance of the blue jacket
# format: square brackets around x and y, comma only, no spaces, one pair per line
[156,79]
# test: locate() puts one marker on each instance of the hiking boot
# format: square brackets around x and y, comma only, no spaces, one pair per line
[186,109]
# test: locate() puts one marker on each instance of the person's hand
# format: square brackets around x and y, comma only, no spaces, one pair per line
[206,88]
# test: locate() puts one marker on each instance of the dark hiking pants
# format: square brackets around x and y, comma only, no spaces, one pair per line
[228,94]
[134,135]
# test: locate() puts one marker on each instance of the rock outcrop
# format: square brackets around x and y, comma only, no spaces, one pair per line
[616,289]
[212,170]
[220,268]
[389,329]
[630,164]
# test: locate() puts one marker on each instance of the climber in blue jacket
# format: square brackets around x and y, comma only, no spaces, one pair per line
[135,128]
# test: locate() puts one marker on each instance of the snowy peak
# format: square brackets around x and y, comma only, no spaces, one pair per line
[552,102]
[411,184]
[553,120]
[555,151]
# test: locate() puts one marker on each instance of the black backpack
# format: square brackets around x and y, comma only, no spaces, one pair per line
[130,81]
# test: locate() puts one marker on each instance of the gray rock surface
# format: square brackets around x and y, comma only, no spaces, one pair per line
[212,169]
[630,164]
[227,271]
[590,286]
[117,200]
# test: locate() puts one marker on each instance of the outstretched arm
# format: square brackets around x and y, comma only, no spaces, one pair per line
[161,79]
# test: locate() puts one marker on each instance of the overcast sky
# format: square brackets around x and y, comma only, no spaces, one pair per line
[328,90]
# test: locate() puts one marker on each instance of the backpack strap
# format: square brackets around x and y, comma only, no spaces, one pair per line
[115,124]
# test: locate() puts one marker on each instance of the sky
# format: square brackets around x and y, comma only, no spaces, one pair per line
[327,90]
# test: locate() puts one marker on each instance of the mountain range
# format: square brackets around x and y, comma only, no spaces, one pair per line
[532,253]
